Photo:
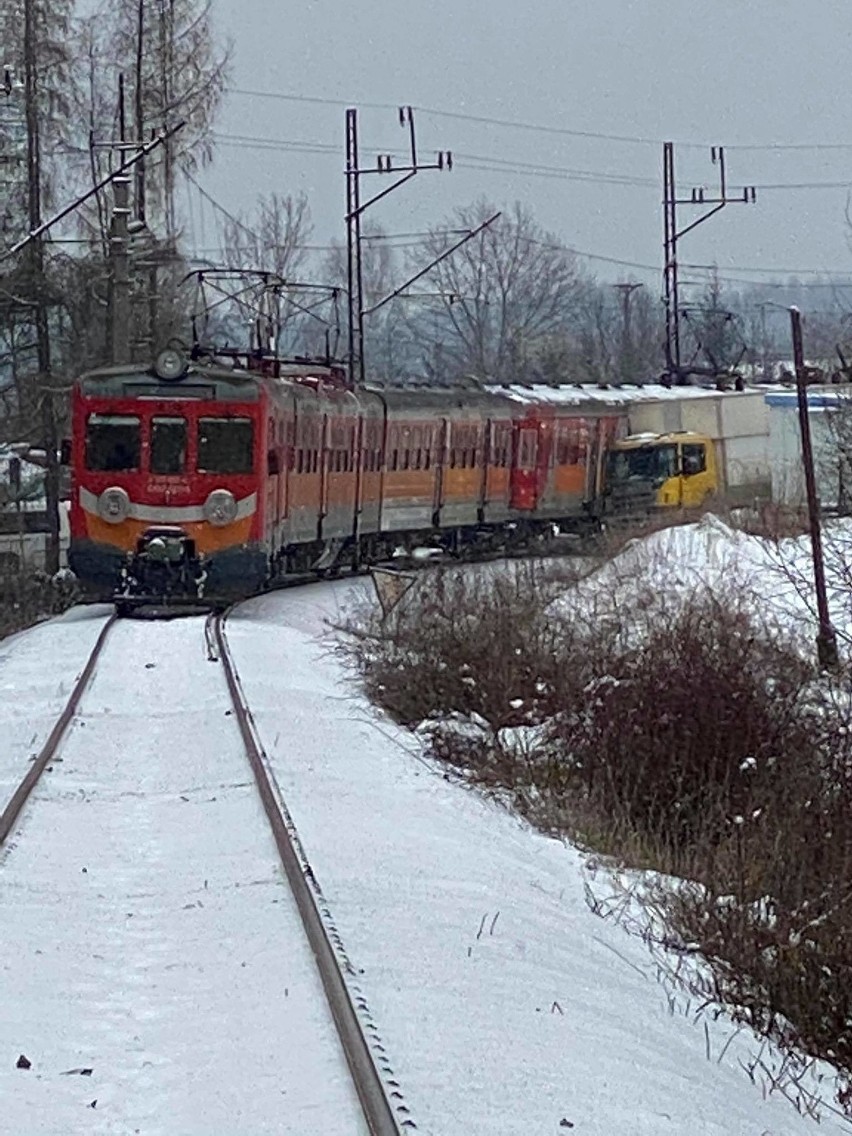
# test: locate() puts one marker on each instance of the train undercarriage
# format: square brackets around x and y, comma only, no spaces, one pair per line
[165,570]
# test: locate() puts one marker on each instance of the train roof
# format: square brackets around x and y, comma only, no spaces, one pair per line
[615,397]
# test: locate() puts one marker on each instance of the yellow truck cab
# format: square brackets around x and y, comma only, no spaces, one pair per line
[644,472]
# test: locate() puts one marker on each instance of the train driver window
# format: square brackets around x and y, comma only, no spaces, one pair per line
[113,442]
[693,460]
[168,445]
[225,445]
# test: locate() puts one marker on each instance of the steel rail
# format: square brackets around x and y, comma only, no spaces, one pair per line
[48,751]
[378,1111]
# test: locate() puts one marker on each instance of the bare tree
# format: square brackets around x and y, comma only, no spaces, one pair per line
[386,340]
[177,72]
[274,238]
[378,264]
[501,295]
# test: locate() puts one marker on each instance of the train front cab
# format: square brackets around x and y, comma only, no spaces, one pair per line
[165,503]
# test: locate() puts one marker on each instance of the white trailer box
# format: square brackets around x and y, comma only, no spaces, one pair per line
[830,418]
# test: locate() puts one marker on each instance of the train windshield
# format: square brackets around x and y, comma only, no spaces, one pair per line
[113,442]
[168,445]
[644,463]
[225,445]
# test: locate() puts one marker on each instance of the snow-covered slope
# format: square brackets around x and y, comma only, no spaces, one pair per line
[506,1006]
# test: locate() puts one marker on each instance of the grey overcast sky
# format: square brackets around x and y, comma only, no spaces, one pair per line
[762,77]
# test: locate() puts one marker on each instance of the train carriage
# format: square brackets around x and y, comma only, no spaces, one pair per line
[208,481]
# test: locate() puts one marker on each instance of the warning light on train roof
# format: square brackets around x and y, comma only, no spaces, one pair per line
[170,365]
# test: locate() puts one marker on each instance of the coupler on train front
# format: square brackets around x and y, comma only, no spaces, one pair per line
[165,570]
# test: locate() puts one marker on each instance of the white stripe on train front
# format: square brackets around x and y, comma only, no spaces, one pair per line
[168,514]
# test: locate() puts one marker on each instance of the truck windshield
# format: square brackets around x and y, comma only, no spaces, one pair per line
[644,463]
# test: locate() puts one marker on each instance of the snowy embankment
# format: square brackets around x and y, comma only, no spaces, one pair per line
[710,555]
[506,1006]
[153,969]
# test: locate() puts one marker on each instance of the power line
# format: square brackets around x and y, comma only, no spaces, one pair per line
[490,164]
[406,243]
[543,128]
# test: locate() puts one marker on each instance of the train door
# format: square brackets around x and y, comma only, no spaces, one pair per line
[323,474]
[271,488]
[525,459]
[358,496]
[441,435]
[484,447]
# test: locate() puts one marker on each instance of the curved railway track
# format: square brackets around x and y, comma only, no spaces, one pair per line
[383,1108]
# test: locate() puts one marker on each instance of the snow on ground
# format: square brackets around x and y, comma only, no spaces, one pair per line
[679,561]
[505,1005]
[147,932]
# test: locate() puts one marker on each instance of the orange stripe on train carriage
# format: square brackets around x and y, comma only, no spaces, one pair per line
[207,538]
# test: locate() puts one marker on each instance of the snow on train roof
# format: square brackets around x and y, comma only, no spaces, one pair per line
[615,396]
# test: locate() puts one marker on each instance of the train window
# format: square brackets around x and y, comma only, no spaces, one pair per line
[225,445]
[168,445]
[113,442]
[527,449]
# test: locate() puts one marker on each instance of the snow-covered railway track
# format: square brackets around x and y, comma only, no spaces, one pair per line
[383,1117]
[154,966]
[28,782]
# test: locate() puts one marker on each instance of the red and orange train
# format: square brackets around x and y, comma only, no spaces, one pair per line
[209,480]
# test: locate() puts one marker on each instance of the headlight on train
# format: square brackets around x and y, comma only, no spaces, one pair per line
[114,505]
[220,508]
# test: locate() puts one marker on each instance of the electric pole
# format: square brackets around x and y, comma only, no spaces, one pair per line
[36,271]
[672,235]
[355,209]
[119,239]
[826,641]
[626,288]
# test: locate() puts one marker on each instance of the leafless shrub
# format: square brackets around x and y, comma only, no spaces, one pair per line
[475,643]
[27,597]
[678,728]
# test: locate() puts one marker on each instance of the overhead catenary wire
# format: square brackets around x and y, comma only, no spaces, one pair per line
[401,242]
[490,163]
[539,127]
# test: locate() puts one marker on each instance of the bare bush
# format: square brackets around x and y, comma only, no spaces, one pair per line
[679,727]
[27,597]
[470,643]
